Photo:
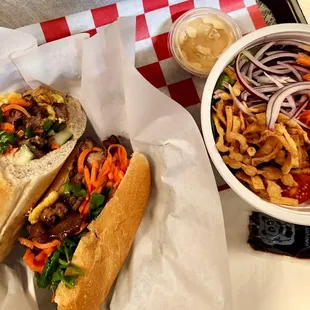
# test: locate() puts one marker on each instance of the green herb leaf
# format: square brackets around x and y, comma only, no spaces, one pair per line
[96,200]
[57,264]
[58,276]
[63,263]
[228,80]
[59,127]
[223,78]
[47,125]
[28,133]
[1,116]
[6,139]
[76,269]
[74,190]
[44,280]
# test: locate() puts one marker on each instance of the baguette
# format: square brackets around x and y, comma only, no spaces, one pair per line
[22,185]
[101,252]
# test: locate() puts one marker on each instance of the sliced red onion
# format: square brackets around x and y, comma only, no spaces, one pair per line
[300,109]
[299,44]
[252,81]
[244,68]
[294,71]
[244,95]
[254,101]
[290,99]
[260,65]
[303,99]
[275,102]
[225,84]
[275,52]
[217,92]
[301,123]
[282,79]
[279,55]
[231,68]
[259,71]
[288,61]
[244,83]
[301,69]
[258,56]
[267,88]
[286,104]
[238,103]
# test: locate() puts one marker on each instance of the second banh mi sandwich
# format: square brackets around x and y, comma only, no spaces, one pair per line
[38,131]
[80,233]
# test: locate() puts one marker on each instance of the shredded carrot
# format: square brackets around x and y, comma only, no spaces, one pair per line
[8,127]
[82,206]
[26,242]
[39,131]
[53,297]
[114,167]
[306,77]
[81,159]
[93,174]
[9,149]
[41,257]
[115,174]
[95,164]
[46,245]
[19,101]
[97,190]
[31,263]
[117,184]
[121,175]
[20,133]
[100,181]
[83,226]
[55,146]
[97,149]
[110,176]
[49,251]
[14,150]
[303,59]
[87,179]
[16,107]
[86,211]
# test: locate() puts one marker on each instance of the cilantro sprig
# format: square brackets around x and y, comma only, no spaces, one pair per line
[73,190]
[56,265]
[6,139]
[98,201]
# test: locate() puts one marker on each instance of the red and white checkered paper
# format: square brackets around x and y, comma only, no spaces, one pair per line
[153,21]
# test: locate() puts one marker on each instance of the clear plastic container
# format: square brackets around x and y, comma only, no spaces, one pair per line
[199,37]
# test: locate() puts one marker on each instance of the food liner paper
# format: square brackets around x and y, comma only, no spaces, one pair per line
[179,256]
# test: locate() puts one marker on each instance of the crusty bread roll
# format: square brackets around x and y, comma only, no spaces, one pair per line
[21,186]
[102,252]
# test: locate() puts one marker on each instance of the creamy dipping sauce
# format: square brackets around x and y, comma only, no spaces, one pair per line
[198,41]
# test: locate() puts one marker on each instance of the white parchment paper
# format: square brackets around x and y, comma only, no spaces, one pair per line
[179,257]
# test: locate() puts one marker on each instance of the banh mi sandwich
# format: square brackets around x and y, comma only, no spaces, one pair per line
[38,131]
[80,233]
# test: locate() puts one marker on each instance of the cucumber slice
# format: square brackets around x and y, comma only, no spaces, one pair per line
[24,155]
[51,133]
[61,137]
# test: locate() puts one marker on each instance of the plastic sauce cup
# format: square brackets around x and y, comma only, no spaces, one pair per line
[198,37]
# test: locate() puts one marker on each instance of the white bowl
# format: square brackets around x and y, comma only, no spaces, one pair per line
[297,215]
